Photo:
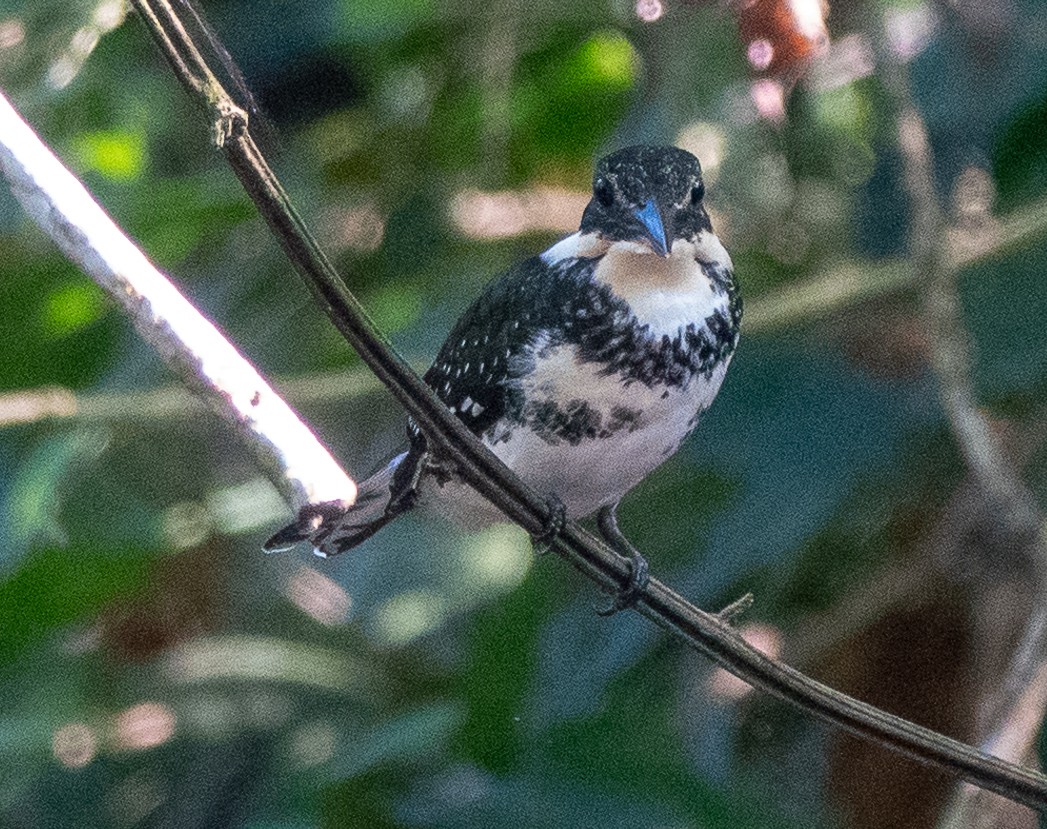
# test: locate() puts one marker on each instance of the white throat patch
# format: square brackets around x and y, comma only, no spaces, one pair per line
[668,293]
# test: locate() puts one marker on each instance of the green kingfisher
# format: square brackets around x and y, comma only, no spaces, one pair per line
[582,368]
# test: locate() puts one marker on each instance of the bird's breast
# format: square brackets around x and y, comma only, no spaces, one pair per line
[628,349]
[569,399]
[591,436]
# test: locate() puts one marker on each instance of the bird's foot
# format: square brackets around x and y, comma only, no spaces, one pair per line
[554,524]
[730,614]
[626,597]
[440,470]
[639,569]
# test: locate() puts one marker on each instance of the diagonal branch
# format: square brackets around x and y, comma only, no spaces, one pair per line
[189,343]
[704,632]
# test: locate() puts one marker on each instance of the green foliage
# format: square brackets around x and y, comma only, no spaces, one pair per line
[44,305]
[27,509]
[55,587]
[1020,155]
[496,682]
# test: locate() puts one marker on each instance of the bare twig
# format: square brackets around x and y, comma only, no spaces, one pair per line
[189,343]
[484,471]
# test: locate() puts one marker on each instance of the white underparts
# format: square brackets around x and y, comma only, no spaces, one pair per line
[577,245]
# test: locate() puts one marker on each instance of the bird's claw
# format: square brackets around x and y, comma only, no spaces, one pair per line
[310,518]
[626,597]
[554,524]
[639,569]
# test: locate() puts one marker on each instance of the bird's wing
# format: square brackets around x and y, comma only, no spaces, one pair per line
[476,374]
[477,371]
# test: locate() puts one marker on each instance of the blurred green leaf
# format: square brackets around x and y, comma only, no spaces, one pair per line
[566,95]
[409,737]
[40,304]
[72,307]
[1019,158]
[606,59]
[29,509]
[496,683]
[116,155]
[55,587]
[368,799]
[383,21]
[1005,303]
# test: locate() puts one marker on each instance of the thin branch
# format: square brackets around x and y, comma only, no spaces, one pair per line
[191,346]
[479,467]
[949,346]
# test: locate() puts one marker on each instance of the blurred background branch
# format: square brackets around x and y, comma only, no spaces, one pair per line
[846,284]
[1013,526]
[155,406]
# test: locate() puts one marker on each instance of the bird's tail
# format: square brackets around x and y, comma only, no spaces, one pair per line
[332,529]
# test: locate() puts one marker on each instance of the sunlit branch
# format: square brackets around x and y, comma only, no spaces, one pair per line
[452,441]
[189,344]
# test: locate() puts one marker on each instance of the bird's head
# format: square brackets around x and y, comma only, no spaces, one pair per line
[648,194]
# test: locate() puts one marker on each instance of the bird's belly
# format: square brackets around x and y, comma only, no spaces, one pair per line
[593,472]
[589,450]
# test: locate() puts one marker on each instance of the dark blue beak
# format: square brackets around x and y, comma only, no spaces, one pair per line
[650,217]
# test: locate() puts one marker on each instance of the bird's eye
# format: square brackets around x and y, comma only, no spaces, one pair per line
[697,192]
[603,192]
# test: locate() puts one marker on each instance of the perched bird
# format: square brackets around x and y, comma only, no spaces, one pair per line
[582,368]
